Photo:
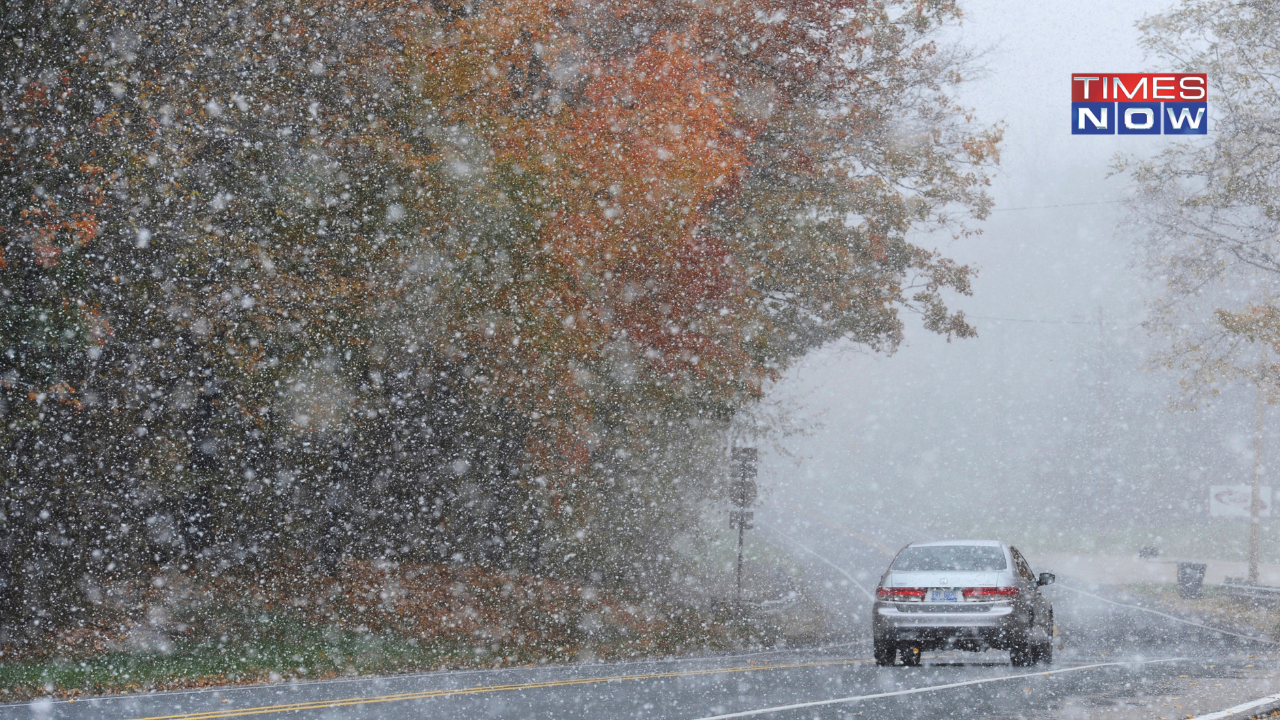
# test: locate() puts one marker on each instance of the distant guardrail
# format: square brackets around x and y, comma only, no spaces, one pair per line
[773,607]
[1238,587]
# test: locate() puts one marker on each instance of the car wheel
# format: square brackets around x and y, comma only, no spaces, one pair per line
[1042,645]
[1021,655]
[910,655]
[1044,653]
[884,652]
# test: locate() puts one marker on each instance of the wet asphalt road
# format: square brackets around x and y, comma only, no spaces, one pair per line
[680,689]
[1114,662]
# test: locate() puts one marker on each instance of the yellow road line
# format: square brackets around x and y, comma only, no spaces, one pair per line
[427,694]
[843,528]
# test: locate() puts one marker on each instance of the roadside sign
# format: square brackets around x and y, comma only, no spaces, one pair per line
[744,462]
[743,489]
[1233,501]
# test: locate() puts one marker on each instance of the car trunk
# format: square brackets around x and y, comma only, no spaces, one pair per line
[946,579]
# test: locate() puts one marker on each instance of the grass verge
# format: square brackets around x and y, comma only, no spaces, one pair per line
[1214,608]
[201,628]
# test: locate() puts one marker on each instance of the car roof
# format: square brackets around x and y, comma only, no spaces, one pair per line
[985,543]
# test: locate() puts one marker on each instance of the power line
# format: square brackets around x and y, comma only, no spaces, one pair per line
[1050,322]
[1066,205]
[1030,320]
[1037,321]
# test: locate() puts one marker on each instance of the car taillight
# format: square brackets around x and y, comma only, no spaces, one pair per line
[990,593]
[901,594]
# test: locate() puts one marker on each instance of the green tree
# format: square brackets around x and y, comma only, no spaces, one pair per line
[1208,210]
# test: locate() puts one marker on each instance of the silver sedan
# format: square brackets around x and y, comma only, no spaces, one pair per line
[962,594]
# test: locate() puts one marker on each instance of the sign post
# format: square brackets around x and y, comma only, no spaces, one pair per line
[742,492]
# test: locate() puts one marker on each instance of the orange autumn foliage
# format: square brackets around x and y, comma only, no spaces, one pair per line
[624,134]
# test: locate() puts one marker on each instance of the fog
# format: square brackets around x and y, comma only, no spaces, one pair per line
[344,346]
[1052,418]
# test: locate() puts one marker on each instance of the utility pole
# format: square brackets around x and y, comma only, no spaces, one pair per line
[742,492]
[1255,500]
[1102,446]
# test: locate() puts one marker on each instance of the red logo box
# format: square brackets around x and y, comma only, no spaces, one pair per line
[1139,87]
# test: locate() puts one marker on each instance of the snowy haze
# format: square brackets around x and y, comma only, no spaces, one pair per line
[1049,418]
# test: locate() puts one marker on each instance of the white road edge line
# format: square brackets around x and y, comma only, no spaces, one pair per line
[1239,708]
[932,688]
[1170,617]
[836,567]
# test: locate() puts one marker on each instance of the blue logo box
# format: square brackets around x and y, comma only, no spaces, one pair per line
[1139,118]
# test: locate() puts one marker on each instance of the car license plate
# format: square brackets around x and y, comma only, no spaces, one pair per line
[943,595]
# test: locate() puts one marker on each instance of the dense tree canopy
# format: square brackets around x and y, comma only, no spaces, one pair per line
[1208,209]
[469,281]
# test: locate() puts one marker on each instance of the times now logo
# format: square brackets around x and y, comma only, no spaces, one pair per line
[1139,104]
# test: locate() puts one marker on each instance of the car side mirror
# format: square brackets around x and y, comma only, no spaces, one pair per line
[1046,579]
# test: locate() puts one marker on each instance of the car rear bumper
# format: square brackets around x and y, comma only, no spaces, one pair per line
[978,624]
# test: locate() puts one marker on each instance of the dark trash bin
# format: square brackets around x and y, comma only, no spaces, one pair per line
[1190,579]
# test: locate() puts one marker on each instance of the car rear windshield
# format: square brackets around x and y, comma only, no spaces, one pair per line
[952,558]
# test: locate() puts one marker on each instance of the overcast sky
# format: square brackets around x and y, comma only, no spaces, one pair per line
[1049,411]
